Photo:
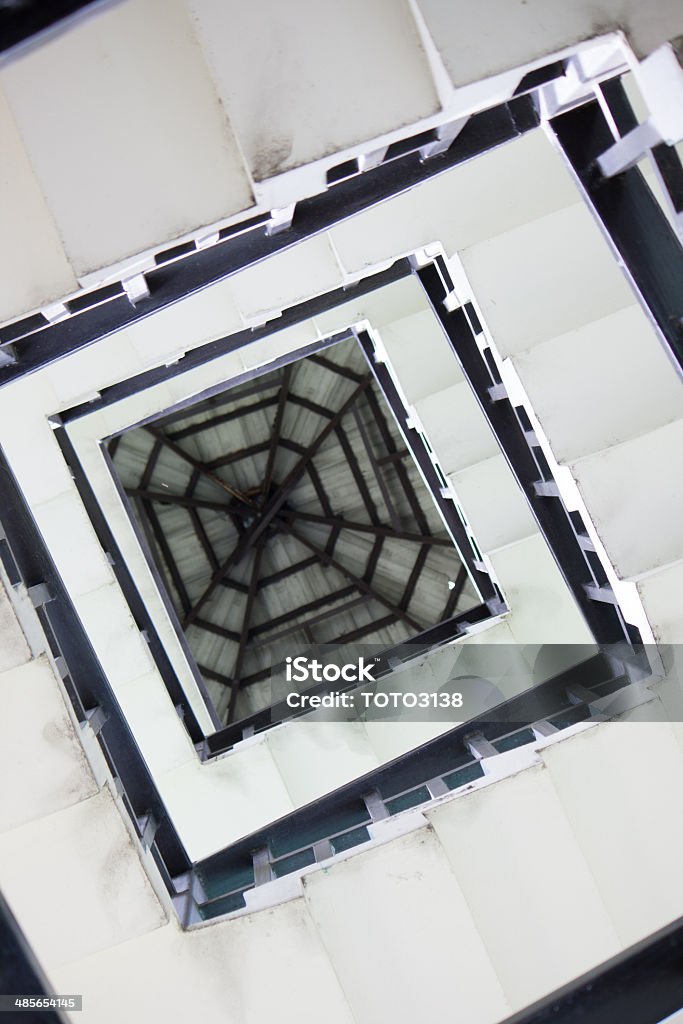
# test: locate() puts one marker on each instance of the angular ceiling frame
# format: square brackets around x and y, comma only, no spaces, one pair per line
[285,519]
[455,625]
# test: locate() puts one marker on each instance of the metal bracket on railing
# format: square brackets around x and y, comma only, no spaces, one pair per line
[546,489]
[119,787]
[543,729]
[604,594]
[578,694]
[322,850]
[136,288]
[280,220]
[8,355]
[263,871]
[202,748]
[148,825]
[445,136]
[628,150]
[61,666]
[479,746]
[660,80]
[40,595]
[496,606]
[96,718]
[189,893]
[377,809]
[498,393]
[437,787]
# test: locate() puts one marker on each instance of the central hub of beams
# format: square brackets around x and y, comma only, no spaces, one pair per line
[251,517]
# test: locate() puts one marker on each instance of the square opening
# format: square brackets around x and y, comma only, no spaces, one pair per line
[294,509]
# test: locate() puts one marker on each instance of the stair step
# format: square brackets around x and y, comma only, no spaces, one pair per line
[602,384]
[636,511]
[531,289]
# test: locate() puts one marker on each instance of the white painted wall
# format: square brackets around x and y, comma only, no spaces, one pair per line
[281,69]
[33,264]
[172,118]
[144,150]
[477,42]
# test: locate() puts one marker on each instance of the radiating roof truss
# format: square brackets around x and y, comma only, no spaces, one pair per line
[288,511]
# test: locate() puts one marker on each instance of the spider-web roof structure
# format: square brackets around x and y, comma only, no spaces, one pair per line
[289,510]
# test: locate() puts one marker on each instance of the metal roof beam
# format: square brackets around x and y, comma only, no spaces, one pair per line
[401,470]
[277,430]
[225,417]
[162,497]
[283,574]
[354,466]
[244,632]
[310,606]
[197,464]
[455,594]
[358,582]
[379,529]
[329,364]
[168,557]
[269,512]
[314,620]
[376,470]
[414,577]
